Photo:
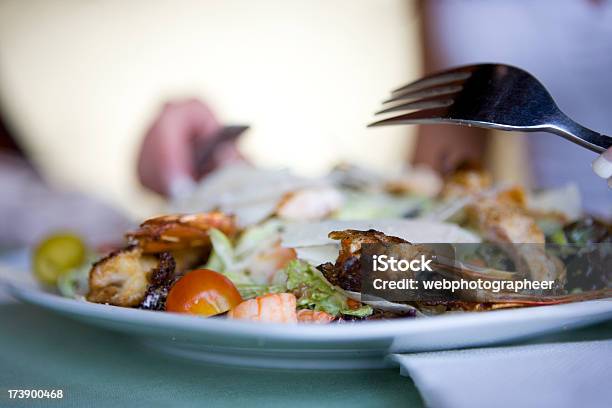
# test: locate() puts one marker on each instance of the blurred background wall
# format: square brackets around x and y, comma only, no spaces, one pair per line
[81,80]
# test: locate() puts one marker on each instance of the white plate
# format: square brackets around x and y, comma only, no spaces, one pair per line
[335,346]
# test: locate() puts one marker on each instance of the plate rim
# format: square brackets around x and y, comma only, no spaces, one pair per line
[349,332]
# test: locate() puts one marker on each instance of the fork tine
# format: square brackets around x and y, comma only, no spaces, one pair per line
[458,74]
[421,116]
[425,103]
[449,88]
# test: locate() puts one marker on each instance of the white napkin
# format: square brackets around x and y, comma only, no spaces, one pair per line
[558,375]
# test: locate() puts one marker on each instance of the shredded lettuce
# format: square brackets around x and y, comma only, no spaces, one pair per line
[314,292]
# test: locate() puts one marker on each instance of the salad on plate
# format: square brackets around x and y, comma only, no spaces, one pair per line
[268,246]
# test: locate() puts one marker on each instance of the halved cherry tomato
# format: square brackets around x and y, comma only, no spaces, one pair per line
[203,292]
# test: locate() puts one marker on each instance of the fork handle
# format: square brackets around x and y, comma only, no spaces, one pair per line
[585,137]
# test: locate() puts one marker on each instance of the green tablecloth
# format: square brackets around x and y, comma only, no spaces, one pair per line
[40,350]
[99,368]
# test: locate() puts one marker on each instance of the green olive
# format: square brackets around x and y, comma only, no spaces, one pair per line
[56,255]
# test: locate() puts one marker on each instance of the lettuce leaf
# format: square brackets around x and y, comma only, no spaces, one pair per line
[314,292]
[223,258]
[362,311]
[223,250]
[249,291]
[74,284]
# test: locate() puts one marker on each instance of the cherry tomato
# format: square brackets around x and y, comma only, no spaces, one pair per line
[203,292]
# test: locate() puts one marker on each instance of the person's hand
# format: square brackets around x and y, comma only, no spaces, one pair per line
[166,163]
[602,166]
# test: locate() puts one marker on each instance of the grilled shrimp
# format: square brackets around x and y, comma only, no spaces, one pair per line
[174,232]
[270,308]
[314,317]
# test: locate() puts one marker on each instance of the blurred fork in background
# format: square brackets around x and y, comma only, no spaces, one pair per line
[494,96]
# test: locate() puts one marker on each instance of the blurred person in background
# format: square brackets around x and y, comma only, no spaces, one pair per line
[31,209]
[567,44]
[80,82]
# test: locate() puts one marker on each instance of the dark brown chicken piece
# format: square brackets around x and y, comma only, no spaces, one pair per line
[346,272]
[162,278]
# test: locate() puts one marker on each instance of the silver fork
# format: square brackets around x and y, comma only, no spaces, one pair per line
[492,96]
